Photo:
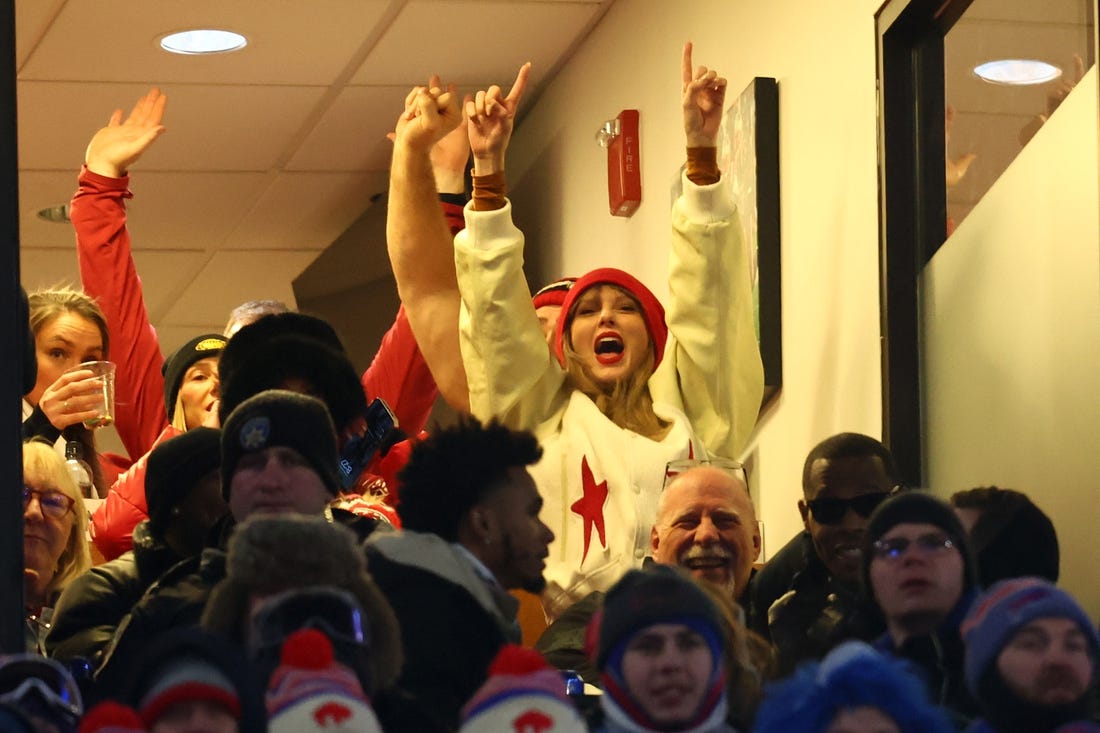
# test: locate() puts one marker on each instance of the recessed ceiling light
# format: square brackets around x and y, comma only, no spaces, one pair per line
[1017,72]
[202,41]
[58,214]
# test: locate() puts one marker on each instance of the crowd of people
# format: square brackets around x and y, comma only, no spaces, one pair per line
[272,554]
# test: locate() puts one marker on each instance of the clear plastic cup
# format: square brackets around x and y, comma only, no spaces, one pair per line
[104,406]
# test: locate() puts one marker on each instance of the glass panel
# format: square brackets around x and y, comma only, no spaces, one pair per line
[988,123]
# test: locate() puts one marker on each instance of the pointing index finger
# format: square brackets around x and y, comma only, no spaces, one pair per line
[519,85]
[685,65]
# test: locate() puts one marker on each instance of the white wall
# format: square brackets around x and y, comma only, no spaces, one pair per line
[823,55]
[1012,345]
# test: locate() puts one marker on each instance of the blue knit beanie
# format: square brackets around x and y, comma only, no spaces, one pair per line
[1005,608]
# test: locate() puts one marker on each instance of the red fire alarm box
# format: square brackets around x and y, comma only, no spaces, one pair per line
[624,171]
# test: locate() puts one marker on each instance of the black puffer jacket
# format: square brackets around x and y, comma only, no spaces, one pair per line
[93,604]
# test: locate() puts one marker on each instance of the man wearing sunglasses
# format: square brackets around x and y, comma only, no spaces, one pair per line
[806,598]
[919,569]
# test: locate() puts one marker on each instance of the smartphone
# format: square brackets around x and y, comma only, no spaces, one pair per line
[363,440]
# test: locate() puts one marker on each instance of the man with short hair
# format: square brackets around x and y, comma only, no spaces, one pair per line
[919,569]
[1031,656]
[806,599]
[278,455]
[471,532]
[706,524]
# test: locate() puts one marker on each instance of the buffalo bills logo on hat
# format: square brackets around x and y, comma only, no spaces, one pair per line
[255,432]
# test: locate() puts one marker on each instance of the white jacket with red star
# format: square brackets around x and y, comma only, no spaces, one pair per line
[600,482]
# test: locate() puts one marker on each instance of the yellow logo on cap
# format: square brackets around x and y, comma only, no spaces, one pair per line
[210,345]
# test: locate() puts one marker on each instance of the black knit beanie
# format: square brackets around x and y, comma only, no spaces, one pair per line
[174,467]
[285,348]
[658,594]
[176,365]
[917,507]
[278,417]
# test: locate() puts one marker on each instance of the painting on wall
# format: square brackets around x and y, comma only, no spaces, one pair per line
[748,154]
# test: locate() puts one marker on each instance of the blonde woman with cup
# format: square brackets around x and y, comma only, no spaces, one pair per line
[69,332]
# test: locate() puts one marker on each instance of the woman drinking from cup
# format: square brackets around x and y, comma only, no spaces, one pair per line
[69,331]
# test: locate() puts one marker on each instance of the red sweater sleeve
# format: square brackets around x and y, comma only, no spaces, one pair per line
[107,273]
[114,521]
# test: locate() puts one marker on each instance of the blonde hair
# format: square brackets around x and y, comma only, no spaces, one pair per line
[627,402]
[45,305]
[40,458]
[178,418]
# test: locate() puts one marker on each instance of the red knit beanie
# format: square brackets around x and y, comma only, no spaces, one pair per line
[652,310]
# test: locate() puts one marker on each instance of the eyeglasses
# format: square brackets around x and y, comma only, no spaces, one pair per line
[54,503]
[832,511]
[30,682]
[894,547]
[334,612]
[675,468]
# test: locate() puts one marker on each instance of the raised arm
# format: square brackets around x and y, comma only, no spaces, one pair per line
[107,269]
[714,372]
[418,237]
[491,118]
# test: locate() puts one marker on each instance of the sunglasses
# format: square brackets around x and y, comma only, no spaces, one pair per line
[32,683]
[53,503]
[895,547]
[832,511]
[336,613]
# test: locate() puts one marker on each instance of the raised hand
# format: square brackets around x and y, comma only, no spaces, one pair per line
[703,98]
[449,157]
[117,146]
[955,169]
[430,113]
[490,119]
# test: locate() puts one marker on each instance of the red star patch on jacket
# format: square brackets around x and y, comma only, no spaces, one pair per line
[590,506]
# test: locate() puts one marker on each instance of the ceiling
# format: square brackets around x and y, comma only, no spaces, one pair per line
[989,118]
[270,152]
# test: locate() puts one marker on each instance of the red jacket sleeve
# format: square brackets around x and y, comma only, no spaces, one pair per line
[107,273]
[399,375]
[114,521]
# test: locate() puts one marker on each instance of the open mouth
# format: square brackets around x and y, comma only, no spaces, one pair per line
[609,348]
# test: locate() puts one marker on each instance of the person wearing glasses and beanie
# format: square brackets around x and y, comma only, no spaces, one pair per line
[806,599]
[919,569]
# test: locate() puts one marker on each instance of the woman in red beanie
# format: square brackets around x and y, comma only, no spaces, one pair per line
[629,399]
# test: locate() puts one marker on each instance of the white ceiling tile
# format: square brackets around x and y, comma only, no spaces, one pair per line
[208,127]
[521,31]
[31,22]
[307,210]
[232,277]
[351,136]
[288,42]
[38,190]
